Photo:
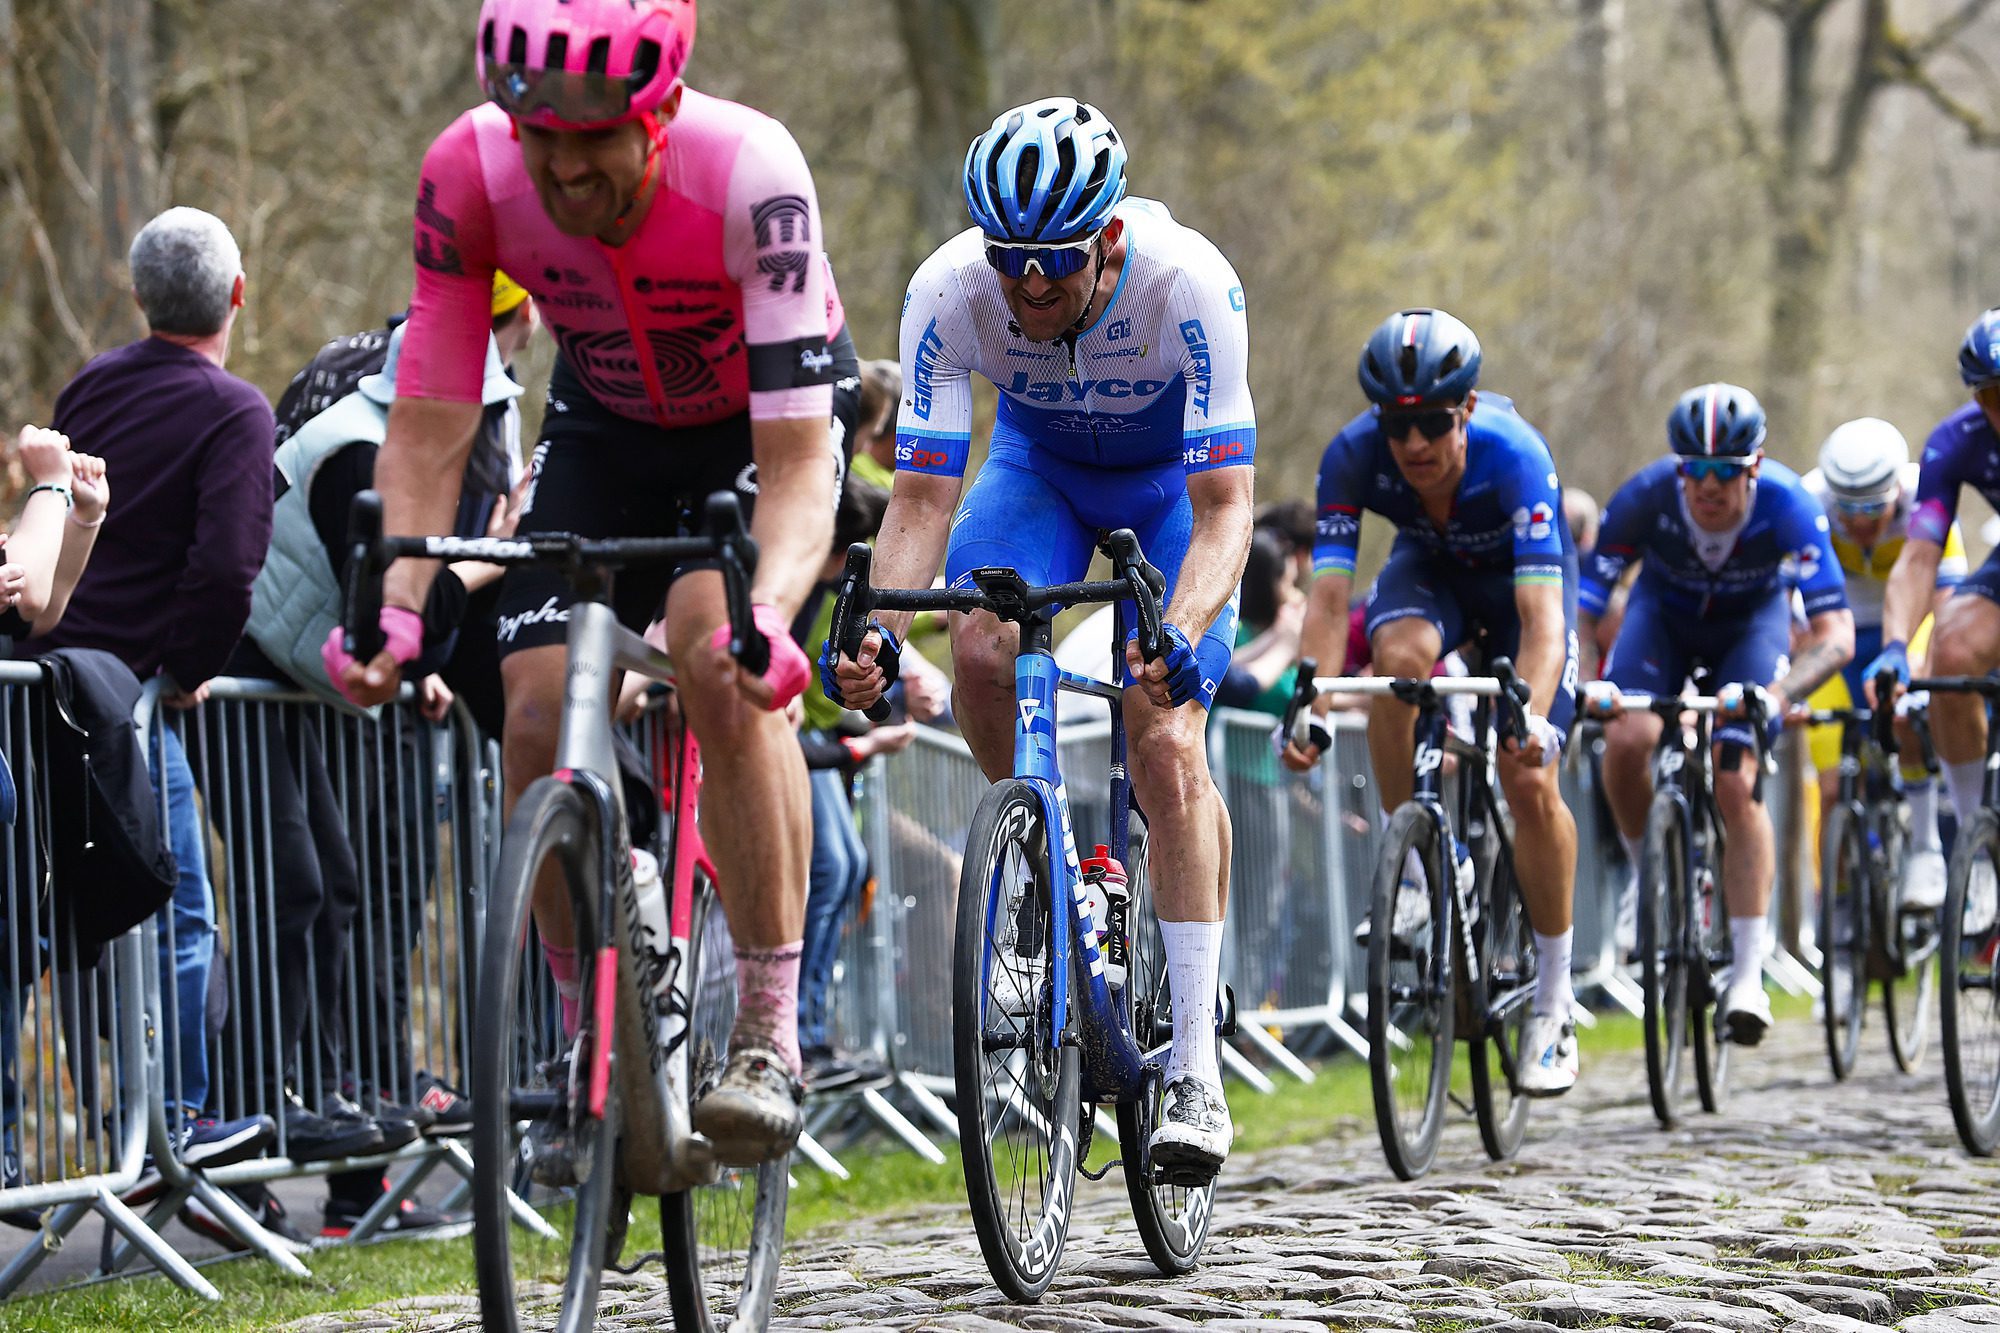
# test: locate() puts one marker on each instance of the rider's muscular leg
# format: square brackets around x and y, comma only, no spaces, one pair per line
[983,648]
[1544,843]
[1409,648]
[533,681]
[1628,782]
[1965,642]
[1751,858]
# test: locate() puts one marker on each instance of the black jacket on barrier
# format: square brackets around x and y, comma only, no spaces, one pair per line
[110,861]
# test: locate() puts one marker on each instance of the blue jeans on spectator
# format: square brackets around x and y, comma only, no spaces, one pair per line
[839,871]
[184,967]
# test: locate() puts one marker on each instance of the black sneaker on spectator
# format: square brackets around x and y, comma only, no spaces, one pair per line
[263,1207]
[206,1142]
[384,1111]
[310,1137]
[397,1130]
[830,1069]
[451,1110]
[342,1215]
[11,1177]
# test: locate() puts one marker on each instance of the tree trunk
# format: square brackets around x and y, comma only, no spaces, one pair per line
[950,45]
[1802,252]
[91,177]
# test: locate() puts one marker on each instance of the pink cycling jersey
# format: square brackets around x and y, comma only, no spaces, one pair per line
[724,282]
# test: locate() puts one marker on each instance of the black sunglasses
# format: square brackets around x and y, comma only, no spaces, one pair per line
[1434,422]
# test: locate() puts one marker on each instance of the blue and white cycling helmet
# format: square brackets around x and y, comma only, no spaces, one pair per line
[1979,354]
[1050,170]
[1716,420]
[1419,356]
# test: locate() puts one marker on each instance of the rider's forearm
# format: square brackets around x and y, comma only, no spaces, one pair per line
[418,473]
[1539,660]
[1912,584]
[793,522]
[1324,636]
[915,528]
[1589,655]
[1829,649]
[1218,547]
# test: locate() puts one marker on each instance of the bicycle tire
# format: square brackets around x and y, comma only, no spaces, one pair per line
[1969,989]
[1173,1220]
[1664,894]
[1708,930]
[551,821]
[722,1241]
[1910,948]
[1908,1001]
[1005,903]
[1508,960]
[1845,921]
[1411,999]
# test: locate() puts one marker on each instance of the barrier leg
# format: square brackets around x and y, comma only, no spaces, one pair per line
[1234,1061]
[453,1154]
[245,1228]
[385,1207]
[933,1107]
[886,1115]
[1273,1050]
[809,1148]
[163,1255]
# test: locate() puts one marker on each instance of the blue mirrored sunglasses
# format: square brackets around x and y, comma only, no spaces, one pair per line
[1013,259]
[1871,508]
[1720,469]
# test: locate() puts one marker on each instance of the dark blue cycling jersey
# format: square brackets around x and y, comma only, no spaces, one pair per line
[1507,514]
[1783,544]
[1962,451]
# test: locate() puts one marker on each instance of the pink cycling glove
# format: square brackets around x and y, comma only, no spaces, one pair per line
[789,672]
[402,635]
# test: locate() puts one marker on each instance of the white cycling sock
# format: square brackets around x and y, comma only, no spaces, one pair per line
[1922,796]
[1746,939]
[1965,780]
[1633,848]
[1554,993]
[1194,961]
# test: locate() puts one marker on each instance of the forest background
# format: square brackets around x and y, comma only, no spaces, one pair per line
[1623,197]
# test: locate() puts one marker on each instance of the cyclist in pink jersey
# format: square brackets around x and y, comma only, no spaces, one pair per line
[672,243]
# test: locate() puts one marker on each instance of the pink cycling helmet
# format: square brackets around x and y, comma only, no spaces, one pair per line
[582,64]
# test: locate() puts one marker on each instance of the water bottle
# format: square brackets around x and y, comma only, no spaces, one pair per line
[654,927]
[1110,902]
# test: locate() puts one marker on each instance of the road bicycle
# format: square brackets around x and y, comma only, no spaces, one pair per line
[1468,971]
[1864,933]
[1969,981]
[655,1022]
[1040,1033]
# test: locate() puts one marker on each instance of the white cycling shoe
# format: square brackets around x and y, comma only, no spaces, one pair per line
[1549,1061]
[1746,1010]
[1923,881]
[1195,1132]
[1977,918]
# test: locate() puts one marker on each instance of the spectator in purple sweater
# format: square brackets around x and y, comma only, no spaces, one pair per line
[168,586]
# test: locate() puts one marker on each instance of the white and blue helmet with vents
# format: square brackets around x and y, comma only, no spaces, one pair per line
[1050,170]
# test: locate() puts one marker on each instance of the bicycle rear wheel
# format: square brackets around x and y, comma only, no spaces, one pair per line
[722,1240]
[1844,921]
[1664,946]
[1018,1083]
[1970,986]
[516,1032]
[1172,1219]
[1410,998]
[1509,958]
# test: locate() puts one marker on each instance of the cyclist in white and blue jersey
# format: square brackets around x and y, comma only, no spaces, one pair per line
[1725,535]
[1481,546]
[1118,342]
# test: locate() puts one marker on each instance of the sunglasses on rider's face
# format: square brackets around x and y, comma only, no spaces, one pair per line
[1014,259]
[575,99]
[1433,422]
[1872,508]
[1715,469]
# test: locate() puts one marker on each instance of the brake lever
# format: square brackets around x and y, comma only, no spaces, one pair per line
[1148,586]
[853,603]
[736,553]
[362,628]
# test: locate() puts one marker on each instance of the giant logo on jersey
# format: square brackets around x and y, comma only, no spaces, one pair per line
[1075,391]
[1197,342]
[929,348]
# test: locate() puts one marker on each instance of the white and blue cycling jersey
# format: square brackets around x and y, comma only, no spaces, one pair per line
[1093,433]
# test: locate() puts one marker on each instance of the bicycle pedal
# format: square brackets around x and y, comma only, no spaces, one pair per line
[1226,1016]
[1183,1177]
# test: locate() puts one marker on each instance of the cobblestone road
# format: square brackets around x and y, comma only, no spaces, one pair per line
[1803,1207]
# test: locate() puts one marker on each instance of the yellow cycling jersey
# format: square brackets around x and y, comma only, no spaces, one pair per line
[1867,568]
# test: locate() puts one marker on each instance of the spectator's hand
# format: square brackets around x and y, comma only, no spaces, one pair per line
[884,740]
[45,455]
[926,691]
[180,700]
[436,698]
[507,508]
[90,488]
[1290,621]
[13,580]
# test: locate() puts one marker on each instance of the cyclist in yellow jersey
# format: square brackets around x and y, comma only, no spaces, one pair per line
[1868,485]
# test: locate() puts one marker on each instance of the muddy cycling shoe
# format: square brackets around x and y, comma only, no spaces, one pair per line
[752,1114]
[1194,1134]
[551,1155]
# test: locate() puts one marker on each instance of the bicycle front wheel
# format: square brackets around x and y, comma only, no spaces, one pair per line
[1710,951]
[1844,920]
[517,1033]
[1172,1219]
[1018,1080]
[1970,986]
[1509,961]
[723,1239]
[1411,994]
[1664,945]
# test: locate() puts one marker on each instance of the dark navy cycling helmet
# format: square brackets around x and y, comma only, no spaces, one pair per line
[1719,420]
[1419,356]
[1979,354]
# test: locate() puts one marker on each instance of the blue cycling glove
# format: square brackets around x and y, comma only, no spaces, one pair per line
[1184,679]
[1895,656]
[889,659]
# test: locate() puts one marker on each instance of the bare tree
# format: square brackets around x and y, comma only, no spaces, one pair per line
[950,45]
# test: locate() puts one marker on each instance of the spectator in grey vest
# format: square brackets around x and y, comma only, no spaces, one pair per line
[167,589]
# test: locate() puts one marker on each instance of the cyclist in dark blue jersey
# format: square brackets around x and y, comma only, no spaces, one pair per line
[1481,546]
[1964,450]
[1725,536]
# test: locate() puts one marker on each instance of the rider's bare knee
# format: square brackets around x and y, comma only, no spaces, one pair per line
[1735,789]
[1169,770]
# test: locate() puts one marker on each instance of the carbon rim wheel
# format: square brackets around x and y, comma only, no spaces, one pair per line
[518,1023]
[1018,1089]
[1970,999]
[1510,987]
[1663,952]
[1410,999]
[1844,920]
[1709,930]
[723,1240]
